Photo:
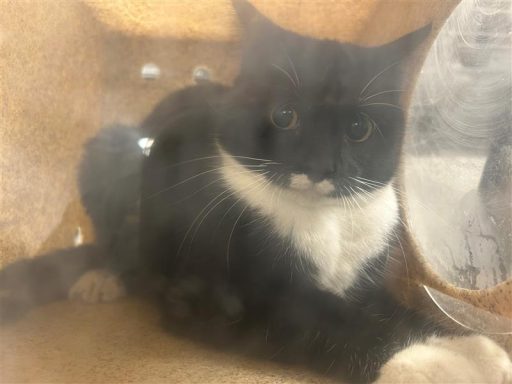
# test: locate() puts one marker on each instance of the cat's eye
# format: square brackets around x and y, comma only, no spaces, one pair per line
[361,128]
[284,117]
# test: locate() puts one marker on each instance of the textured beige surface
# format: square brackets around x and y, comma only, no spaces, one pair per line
[64,74]
[50,65]
[367,22]
[120,343]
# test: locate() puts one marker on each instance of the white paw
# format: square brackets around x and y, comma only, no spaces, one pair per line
[97,285]
[469,359]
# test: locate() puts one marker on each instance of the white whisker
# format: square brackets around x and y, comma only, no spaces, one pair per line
[212,182]
[293,69]
[239,199]
[231,235]
[381,93]
[372,181]
[376,77]
[375,184]
[266,185]
[403,254]
[195,177]
[350,206]
[282,70]
[258,182]
[267,161]
[383,104]
[212,201]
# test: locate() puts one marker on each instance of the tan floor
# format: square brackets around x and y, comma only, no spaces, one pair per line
[120,342]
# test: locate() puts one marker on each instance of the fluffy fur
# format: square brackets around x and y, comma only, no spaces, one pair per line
[339,237]
[471,359]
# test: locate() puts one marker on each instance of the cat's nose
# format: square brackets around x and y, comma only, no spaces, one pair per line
[318,175]
[317,171]
[319,158]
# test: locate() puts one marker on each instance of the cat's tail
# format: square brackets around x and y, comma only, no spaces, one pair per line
[32,282]
[109,179]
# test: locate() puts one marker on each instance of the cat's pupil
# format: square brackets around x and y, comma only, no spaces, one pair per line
[284,117]
[360,129]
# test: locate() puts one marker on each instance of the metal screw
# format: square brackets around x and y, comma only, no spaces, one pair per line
[201,74]
[150,71]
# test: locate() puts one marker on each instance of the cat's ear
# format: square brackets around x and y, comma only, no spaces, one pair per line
[404,46]
[246,12]
[386,66]
[260,38]
[251,20]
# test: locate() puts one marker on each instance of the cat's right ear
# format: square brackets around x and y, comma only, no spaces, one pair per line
[250,18]
[246,12]
[260,39]
[404,46]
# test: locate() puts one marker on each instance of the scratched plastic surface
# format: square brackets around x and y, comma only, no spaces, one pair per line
[459,157]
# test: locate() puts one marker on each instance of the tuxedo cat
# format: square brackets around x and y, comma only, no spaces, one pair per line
[265,214]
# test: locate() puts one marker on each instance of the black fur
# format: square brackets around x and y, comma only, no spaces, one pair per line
[109,180]
[221,273]
[242,283]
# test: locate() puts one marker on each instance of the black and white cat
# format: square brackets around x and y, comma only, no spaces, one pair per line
[264,216]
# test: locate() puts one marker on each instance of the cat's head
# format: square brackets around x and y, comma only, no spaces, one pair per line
[327,115]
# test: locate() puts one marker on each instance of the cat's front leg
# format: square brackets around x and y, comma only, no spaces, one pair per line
[201,309]
[466,359]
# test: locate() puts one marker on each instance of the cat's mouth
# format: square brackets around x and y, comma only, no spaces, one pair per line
[301,182]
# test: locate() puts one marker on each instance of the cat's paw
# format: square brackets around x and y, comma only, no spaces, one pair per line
[468,359]
[192,297]
[96,286]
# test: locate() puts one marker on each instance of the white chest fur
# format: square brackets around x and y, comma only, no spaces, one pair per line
[337,237]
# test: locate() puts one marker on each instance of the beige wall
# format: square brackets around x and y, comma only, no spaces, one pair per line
[50,65]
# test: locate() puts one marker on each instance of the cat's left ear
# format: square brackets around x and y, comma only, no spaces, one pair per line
[401,48]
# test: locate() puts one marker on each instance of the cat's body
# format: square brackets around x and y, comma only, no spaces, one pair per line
[266,211]
[305,277]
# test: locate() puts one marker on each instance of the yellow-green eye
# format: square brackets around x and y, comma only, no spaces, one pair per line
[361,128]
[284,117]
